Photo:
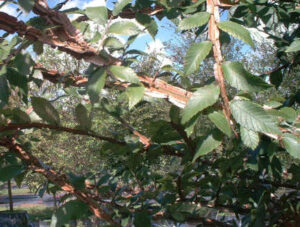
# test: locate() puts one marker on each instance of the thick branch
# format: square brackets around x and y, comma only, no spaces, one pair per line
[154,88]
[70,42]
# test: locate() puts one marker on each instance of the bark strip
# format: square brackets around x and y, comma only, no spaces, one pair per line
[214,37]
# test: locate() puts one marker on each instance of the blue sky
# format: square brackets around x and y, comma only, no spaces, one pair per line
[145,42]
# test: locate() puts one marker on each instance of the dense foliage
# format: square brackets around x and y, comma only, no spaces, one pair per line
[132,141]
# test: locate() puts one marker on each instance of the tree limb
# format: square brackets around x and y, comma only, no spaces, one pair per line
[15,126]
[214,37]
[60,180]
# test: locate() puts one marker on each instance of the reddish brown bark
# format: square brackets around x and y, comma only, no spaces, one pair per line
[214,37]
[154,87]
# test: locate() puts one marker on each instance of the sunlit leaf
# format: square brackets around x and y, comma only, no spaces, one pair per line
[97,14]
[124,73]
[194,21]
[135,93]
[124,28]
[236,30]
[219,119]
[249,138]
[253,117]
[201,99]
[294,47]
[195,55]
[238,77]
[292,145]
[120,4]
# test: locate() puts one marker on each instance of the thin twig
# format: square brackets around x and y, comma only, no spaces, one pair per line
[14,126]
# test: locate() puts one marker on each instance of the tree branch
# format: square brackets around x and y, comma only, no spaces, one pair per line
[14,126]
[60,180]
[214,37]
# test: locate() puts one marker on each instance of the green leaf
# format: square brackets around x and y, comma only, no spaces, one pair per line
[148,22]
[238,77]
[194,21]
[195,55]
[82,116]
[96,83]
[219,119]
[119,6]
[18,79]
[97,14]
[124,73]
[113,42]
[236,30]
[294,47]
[276,78]
[292,145]
[9,172]
[253,117]
[201,99]
[142,219]
[4,90]
[124,28]
[272,104]
[71,210]
[26,5]
[249,138]
[135,94]
[19,116]
[38,48]
[19,178]
[45,110]
[77,181]
[288,113]
[23,62]
[208,144]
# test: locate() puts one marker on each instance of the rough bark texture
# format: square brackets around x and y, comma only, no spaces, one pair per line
[214,37]
[154,87]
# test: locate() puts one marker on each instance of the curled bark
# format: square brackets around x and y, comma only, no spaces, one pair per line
[154,88]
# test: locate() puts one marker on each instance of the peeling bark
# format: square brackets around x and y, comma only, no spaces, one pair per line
[154,87]
[214,37]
